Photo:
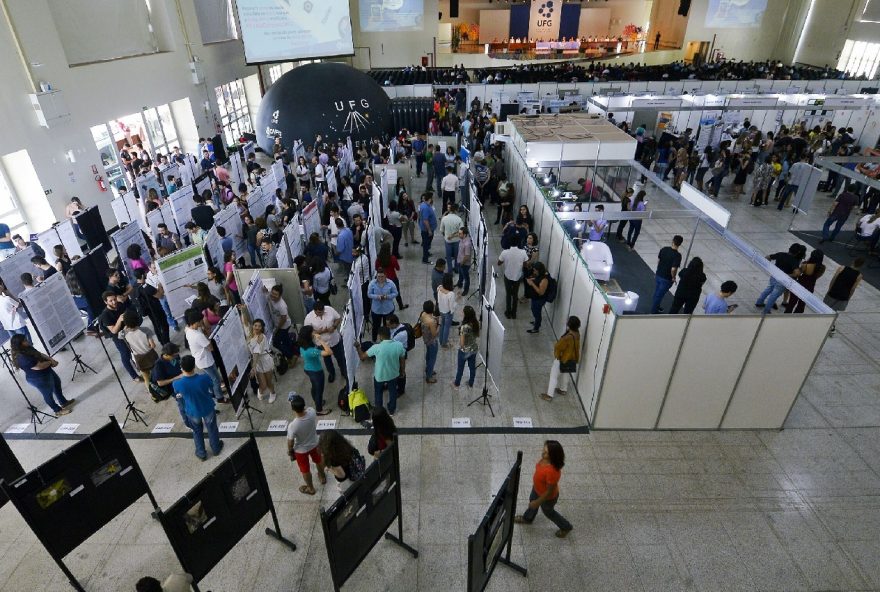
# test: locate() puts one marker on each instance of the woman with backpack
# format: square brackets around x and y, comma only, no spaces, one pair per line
[536,287]
[342,459]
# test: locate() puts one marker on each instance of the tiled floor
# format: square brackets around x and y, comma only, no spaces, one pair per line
[797,509]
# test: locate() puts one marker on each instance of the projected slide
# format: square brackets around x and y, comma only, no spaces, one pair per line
[282,30]
[735,13]
[391,15]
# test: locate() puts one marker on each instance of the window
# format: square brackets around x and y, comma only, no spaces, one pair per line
[216,21]
[859,57]
[10,212]
[274,73]
[235,116]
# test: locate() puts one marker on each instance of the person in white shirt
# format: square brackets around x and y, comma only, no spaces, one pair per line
[449,227]
[12,315]
[868,229]
[320,181]
[325,322]
[203,351]
[449,185]
[511,261]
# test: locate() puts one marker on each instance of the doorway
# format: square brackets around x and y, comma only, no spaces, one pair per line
[696,52]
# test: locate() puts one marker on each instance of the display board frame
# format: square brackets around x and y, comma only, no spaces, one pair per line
[13,266]
[227,354]
[92,228]
[53,313]
[10,469]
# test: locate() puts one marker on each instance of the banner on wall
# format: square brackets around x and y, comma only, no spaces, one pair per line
[544,20]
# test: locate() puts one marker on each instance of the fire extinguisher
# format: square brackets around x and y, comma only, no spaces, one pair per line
[101,184]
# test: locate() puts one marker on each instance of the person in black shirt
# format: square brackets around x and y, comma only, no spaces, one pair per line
[165,372]
[690,288]
[117,283]
[668,262]
[788,263]
[203,214]
[110,322]
[147,298]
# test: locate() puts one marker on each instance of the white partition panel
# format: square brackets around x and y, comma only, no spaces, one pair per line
[711,357]
[640,363]
[585,88]
[656,87]
[568,262]
[597,340]
[423,90]
[546,232]
[636,88]
[781,357]
[709,86]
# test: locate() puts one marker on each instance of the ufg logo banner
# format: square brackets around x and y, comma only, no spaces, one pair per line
[544,20]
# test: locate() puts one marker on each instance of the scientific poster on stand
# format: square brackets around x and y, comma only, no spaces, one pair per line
[257,202]
[268,184]
[256,300]
[279,175]
[231,343]
[157,217]
[182,204]
[214,248]
[282,255]
[293,234]
[237,172]
[172,170]
[53,313]
[68,238]
[12,267]
[491,342]
[229,219]
[311,219]
[203,184]
[357,301]
[130,235]
[120,210]
[177,271]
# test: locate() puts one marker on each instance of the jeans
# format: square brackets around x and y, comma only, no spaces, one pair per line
[49,385]
[835,221]
[216,381]
[445,325]
[378,320]
[660,169]
[511,295]
[548,507]
[210,423]
[451,256]
[426,246]
[632,235]
[420,161]
[536,305]
[431,358]
[252,253]
[316,377]
[172,322]
[182,409]
[789,189]
[125,354]
[83,304]
[661,286]
[396,234]
[770,295]
[471,359]
[378,390]
[339,354]
[464,277]
[555,375]
[430,171]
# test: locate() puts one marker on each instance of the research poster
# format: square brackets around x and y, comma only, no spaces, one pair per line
[12,267]
[268,185]
[237,172]
[293,234]
[203,184]
[67,237]
[311,219]
[130,235]
[230,341]
[182,204]
[282,255]
[257,202]
[279,175]
[157,217]
[357,301]
[172,170]
[256,299]
[229,219]
[491,341]
[53,312]
[214,247]
[120,211]
[179,270]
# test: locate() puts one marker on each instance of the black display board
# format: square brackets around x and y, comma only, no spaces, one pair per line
[10,468]
[495,532]
[92,227]
[91,273]
[358,519]
[207,522]
[73,495]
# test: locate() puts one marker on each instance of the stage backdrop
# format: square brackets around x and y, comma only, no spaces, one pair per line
[594,22]
[494,25]
[519,21]
[570,14]
[544,20]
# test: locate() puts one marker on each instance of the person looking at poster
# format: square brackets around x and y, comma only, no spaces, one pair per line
[110,322]
[140,342]
[195,390]
[203,351]
[148,298]
[39,373]
[344,460]
[302,443]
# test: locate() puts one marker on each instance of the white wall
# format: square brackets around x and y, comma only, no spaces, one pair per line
[98,93]
[395,49]
[830,24]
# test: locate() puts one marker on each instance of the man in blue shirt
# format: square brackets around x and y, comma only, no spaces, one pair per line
[7,247]
[344,247]
[717,303]
[418,147]
[225,243]
[198,404]
[381,293]
[427,225]
[390,364]
[439,160]
[597,227]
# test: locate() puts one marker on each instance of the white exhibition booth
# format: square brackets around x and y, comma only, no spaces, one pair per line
[660,371]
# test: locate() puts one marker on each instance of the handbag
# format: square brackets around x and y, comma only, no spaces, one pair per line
[145,362]
[417,329]
[569,367]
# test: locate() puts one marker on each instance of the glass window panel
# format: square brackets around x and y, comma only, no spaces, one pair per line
[167,122]
[151,117]
[104,144]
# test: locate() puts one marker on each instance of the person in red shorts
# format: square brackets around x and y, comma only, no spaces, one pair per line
[545,488]
[302,442]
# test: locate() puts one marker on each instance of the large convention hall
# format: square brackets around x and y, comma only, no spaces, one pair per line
[305,296]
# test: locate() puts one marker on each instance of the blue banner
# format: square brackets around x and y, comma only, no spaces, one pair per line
[569,21]
[519,21]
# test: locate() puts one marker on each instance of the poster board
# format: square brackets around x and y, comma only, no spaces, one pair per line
[350,335]
[12,267]
[491,341]
[203,183]
[293,233]
[10,468]
[229,219]
[311,218]
[230,345]
[157,217]
[256,300]
[130,235]
[121,211]
[182,204]
[179,269]
[70,497]
[279,175]
[92,228]
[173,170]
[67,237]
[53,313]
[237,172]
[213,247]
[355,290]
[257,202]
[268,185]
[91,273]
[282,255]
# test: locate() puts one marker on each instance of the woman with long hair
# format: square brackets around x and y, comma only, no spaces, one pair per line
[313,349]
[536,286]
[384,431]
[388,263]
[545,488]
[430,331]
[229,278]
[690,287]
[408,216]
[566,350]
[303,175]
[263,368]
[135,257]
[445,306]
[468,345]
[344,460]
[524,218]
[625,202]
[811,270]
[39,373]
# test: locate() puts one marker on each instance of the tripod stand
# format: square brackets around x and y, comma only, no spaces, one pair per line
[484,397]
[131,411]
[78,364]
[36,415]
[246,405]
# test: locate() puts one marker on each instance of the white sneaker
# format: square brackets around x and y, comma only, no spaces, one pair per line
[272,397]
[261,396]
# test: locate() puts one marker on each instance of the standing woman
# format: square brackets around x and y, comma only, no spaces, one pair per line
[313,349]
[39,373]
[537,285]
[545,488]
[303,175]
[811,270]
[468,345]
[635,226]
[384,431]
[71,210]
[743,170]
[760,182]
[408,218]
[446,306]
[705,162]
[231,285]
[690,287]
[343,459]
[524,218]
[263,369]
[625,202]
[388,263]
[465,259]
[430,331]
[566,351]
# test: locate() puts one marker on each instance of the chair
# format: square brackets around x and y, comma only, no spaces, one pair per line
[598,257]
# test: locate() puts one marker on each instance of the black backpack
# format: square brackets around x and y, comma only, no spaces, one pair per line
[552,289]
[410,335]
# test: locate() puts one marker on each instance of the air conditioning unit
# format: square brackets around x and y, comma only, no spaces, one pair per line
[50,108]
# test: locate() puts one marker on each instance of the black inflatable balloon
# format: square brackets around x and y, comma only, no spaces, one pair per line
[331,99]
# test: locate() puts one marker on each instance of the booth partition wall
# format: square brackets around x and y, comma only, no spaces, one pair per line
[642,371]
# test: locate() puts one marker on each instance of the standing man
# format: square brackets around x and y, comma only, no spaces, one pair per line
[7,247]
[839,212]
[429,166]
[439,160]
[281,319]
[344,247]
[511,261]
[427,225]
[797,178]
[390,358]
[381,293]
[12,317]
[449,227]
[203,351]
[716,304]
[668,262]
[110,322]
[302,443]
[325,322]
[788,263]
[418,148]
[449,185]
[195,390]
